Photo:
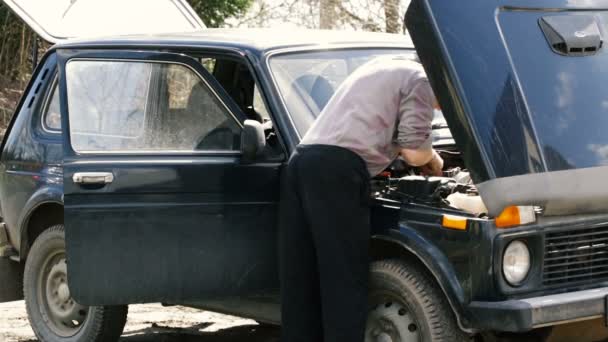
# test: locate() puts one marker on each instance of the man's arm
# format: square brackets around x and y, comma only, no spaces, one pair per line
[414,130]
[432,166]
[418,157]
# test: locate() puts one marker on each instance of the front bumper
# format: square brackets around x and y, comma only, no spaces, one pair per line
[517,315]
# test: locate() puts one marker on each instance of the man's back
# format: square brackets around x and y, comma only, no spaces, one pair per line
[364,113]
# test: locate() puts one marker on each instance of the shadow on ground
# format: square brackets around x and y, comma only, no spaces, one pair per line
[158,333]
[263,333]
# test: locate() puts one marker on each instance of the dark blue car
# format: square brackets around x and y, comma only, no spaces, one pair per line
[146,168]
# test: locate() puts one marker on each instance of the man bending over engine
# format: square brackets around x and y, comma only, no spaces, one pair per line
[384,109]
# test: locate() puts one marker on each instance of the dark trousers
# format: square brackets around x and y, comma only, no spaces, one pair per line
[324,245]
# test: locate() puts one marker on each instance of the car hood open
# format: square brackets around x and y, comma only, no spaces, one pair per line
[522,87]
[59,20]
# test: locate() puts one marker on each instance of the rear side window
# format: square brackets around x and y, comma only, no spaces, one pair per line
[126,106]
[51,120]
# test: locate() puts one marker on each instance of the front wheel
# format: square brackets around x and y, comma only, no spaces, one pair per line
[52,312]
[407,306]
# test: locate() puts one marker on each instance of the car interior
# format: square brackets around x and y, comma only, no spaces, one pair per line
[236,79]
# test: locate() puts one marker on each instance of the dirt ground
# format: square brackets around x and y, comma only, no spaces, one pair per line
[155,323]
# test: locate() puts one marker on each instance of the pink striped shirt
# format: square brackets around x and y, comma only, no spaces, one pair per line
[384,106]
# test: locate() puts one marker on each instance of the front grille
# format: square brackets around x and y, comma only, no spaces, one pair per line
[576,256]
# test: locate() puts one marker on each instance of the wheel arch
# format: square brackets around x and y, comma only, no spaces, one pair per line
[413,248]
[43,210]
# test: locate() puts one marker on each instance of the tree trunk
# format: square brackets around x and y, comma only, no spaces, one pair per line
[393,17]
[327,14]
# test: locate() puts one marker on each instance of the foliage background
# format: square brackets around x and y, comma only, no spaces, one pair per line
[17,40]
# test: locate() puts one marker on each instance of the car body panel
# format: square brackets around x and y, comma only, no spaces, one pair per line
[51,193]
[61,20]
[164,254]
[446,254]
[169,227]
[31,159]
[518,315]
[533,114]
[30,174]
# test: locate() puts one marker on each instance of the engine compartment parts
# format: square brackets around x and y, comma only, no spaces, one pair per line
[455,190]
[422,188]
[468,202]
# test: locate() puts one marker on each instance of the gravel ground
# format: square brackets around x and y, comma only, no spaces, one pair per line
[155,323]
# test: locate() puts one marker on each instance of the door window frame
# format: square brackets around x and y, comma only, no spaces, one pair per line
[265,87]
[65,56]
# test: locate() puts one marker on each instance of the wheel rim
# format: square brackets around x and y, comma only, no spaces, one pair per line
[391,321]
[62,314]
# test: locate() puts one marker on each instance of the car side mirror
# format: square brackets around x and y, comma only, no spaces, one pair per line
[253,140]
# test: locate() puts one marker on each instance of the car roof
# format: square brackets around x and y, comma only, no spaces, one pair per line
[252,39]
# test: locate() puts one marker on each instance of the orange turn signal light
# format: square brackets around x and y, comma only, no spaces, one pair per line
[515,215]
[454,222]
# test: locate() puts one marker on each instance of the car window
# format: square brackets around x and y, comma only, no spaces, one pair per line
[208,63]
[307,80]
[259,105]
[145,107]
[239,84]
[51,119]
[179,86]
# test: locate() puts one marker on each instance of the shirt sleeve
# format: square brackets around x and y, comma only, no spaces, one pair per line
[416,116]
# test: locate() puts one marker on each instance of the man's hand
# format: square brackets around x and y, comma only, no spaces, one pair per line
[417,158]
[433,167]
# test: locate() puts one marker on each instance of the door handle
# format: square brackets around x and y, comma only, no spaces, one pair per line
[93,178]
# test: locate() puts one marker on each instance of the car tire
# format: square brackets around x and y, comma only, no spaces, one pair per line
[406,305]
[54,316]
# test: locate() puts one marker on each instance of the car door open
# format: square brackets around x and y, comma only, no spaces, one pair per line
[158,205]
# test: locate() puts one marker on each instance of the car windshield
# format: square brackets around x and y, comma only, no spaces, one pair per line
[307,80]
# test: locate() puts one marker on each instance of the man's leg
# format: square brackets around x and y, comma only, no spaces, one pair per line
[300,297]
[335,195]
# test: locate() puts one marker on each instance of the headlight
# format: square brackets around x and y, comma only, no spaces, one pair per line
[516,262]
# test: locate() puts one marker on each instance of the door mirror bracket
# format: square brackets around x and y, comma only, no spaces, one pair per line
[253,141]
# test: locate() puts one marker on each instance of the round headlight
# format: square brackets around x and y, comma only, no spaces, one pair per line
[516,262]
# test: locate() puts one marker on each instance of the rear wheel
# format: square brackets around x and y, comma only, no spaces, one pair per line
[52,312]
[407,306]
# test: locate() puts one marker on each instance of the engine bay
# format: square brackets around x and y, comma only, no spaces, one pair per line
[454,190]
